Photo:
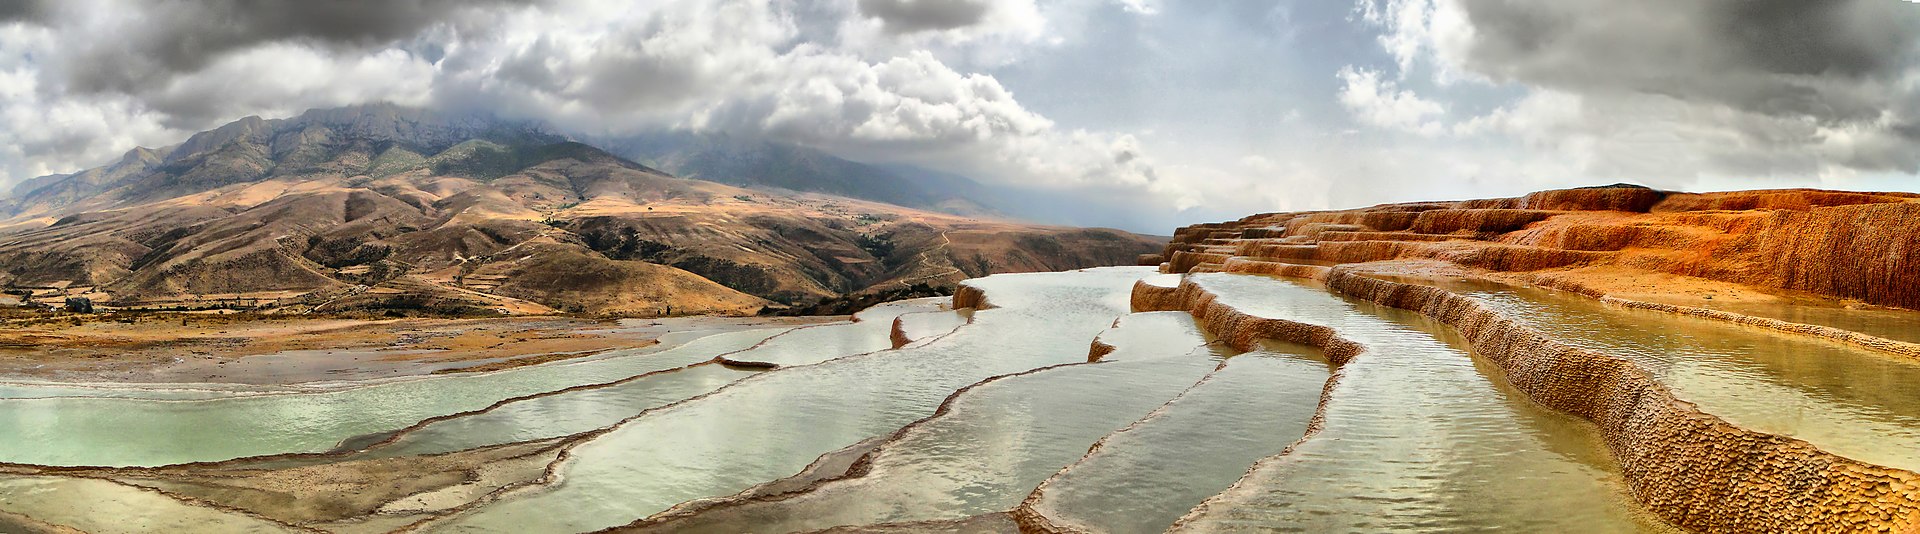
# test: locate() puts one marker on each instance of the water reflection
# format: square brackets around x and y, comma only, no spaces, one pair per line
[772,425]
[1852,402]
[1144,478]
[1418,437]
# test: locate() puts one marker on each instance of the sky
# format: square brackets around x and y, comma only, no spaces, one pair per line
[1153,112]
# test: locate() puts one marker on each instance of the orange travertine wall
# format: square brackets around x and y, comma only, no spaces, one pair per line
[1863,246]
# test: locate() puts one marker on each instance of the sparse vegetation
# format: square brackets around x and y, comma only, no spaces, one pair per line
[847,304]
[623,243]
[876,245]
[395,160]
[487,161]
[79,305]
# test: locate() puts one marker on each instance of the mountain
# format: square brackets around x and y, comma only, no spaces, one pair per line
[762,164]
[766,164]
[388,208]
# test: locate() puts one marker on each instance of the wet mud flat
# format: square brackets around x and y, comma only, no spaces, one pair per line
[264,350]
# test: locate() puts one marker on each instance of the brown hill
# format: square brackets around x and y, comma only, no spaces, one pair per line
[382,208]
[1621,240]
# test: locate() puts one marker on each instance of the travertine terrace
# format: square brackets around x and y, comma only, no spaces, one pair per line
[1455,366]
[1633,248]
[1837,244]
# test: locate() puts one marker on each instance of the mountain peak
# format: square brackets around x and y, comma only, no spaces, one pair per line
[245,127]
[423,130]
[138,155]
[759,162]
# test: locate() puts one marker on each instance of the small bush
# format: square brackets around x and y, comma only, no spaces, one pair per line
[79,305]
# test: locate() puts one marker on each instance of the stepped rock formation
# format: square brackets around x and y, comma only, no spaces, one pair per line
[971,416]
[1854,246]
[1625,245]
[388,208]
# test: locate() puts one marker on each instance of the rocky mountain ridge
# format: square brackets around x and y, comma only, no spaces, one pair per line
[389,208]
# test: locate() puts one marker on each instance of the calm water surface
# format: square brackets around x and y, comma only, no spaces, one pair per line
[1419,436]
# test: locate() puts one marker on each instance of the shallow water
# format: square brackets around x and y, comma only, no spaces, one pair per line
[33,390]
[1849,401]
[1418,436]
[1897,325]
[118,431]
[580,411]
[772,425]
[559,415]
[1162,280]
[102,507]
[257,378]
[924,326]
[1144,478]
[815,344]
[999,440]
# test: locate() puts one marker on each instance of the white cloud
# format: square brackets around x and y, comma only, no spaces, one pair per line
[1383,104]
[1422,33]
[1661,93]
[1593,100]
[754,67]
[1143,7]
[43,133]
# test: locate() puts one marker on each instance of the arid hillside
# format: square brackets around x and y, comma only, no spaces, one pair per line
[1626,241]
[386,208]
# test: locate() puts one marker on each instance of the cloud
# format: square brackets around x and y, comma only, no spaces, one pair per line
[908,16]
[815,76]
[1834,61]
[963,33]
[1143,7]
[1668,91]
[1084,98]
[1385,105]
[735,66]
[130,47]
[20,10]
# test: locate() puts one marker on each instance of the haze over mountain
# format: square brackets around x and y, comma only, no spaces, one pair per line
[755,162]
[383,207]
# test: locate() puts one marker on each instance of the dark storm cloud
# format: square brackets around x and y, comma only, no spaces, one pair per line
[27,10]
[1853,38]
[173,36]
[1832,61]
[908,16]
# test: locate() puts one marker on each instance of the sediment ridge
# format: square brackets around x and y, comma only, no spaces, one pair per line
[1901,348]
[1692,468]
[1037,514]
[154,479]
[12,522]
[1242,330]
[1699,255]
[705,516]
